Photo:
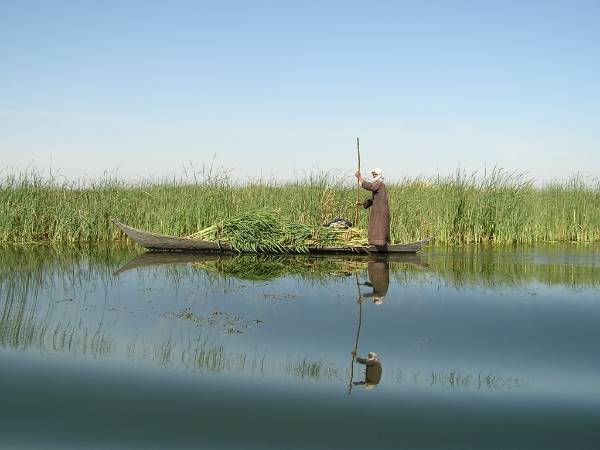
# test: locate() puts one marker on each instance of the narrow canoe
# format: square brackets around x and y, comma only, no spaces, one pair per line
[162,242]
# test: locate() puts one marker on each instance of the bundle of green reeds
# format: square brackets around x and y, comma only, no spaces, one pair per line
[264,230]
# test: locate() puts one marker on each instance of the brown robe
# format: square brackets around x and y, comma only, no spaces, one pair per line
[373,372]
[379,278]
[379,217]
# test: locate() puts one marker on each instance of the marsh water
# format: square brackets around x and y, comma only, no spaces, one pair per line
[478,348]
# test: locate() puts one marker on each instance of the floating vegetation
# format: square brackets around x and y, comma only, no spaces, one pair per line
[264,230]
[231,323]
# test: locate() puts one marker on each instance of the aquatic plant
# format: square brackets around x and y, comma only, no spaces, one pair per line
[498,207]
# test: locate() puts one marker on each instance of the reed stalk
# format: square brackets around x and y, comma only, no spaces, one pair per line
[499,207]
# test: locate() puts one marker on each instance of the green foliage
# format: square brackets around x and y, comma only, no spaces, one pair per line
[261,267]
[499,207]
[264,230]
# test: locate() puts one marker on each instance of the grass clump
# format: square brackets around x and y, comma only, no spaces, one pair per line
[264,230]
[498,207]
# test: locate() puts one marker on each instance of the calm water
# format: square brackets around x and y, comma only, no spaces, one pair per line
[478,349]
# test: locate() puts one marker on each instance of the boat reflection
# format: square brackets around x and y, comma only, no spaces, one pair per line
[161,308]
[260,267]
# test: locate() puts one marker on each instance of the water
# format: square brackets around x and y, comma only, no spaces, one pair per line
[479,348]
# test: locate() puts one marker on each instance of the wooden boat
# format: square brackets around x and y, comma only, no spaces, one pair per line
[162,242]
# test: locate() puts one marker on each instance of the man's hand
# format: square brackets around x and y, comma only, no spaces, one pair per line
[359,204]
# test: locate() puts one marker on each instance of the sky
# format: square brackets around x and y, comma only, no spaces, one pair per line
[279,89]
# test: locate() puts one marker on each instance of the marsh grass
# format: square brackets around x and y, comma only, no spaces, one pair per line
[498,207]
[571,265]
[306,368]
[460,380]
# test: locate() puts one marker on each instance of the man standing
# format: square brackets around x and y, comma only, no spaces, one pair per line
[379,217]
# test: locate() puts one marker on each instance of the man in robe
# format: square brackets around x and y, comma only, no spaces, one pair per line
[379,217]
[373,370]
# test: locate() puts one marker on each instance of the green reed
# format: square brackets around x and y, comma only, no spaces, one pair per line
[499,207]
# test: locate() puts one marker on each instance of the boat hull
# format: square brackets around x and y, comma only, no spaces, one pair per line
[163,242]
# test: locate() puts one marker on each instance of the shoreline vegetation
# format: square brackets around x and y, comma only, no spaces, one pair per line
[499,207]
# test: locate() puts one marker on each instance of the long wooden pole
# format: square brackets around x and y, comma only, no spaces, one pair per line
[356,275]
[350,384]
[358,186]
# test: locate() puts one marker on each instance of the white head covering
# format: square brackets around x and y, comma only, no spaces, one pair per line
[379,176]
[373,355]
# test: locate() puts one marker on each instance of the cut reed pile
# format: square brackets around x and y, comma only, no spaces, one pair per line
[264,230]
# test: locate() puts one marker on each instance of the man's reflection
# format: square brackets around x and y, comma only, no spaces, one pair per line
[372,370]
[379,281]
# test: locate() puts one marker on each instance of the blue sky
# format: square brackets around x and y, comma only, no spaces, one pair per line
[277,88]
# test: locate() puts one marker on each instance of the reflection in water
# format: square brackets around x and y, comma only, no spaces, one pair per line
[196,354]
[27,267]
[379,280]
[231,323]
[459,380]
[461,267]
[53,301]
[572,265]
[373,370]
[312,369]
[197,346]
[25,333]
[261,267]
[269,267]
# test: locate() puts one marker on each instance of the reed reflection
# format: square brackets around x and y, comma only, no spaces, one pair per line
[78,303]
[497,267]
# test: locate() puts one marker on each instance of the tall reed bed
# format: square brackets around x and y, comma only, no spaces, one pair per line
[498,207]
